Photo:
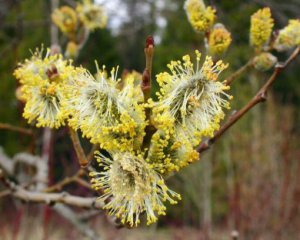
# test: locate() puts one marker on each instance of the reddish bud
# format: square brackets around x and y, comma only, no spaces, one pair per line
[149,41]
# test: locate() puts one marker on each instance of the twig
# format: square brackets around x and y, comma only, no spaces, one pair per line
[91,153]
[83,183]
[50,198]
[238,72]
[78,149]
[261,96]
[59,185]
[10,127]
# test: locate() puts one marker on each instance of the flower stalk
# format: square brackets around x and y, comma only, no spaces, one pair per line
[83,162]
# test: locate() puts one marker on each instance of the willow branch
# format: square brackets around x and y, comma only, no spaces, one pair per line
[261,96]
[83,183]
[78,149]
[238,72]
[59,185]
[50,198]
[91,153]
[10,127]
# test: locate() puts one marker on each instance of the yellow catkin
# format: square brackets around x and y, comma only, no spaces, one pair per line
[106,114]
[261,27]
[201,17]
[219,40]
[289,36]
[264,61]
[191,99]
[131,187]
[43,80]
[65,18]
[91,15]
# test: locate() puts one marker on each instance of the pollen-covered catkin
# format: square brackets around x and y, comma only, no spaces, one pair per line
[261,28]
[201,17]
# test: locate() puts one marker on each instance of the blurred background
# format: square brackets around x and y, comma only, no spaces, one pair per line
[248,181]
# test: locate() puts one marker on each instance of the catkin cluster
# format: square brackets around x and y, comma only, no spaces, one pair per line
[202,19]
[141,141]
[111,113]
[264,42]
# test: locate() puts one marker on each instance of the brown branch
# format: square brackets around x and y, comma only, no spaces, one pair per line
[261,96]
[10,127]
[50,198]
[238,72]
[78,149]
[59,185]
[90,156]
[83,183]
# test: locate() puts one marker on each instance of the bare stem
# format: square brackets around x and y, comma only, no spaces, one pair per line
[59,185]
[78,149]
[91,153]
[261,96]
[10,127]
[238,72]
[83,183]
[49,198]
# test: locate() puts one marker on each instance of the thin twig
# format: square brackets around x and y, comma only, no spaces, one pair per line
[91,153]
[10,127]
[261,96]
[238,72]
[83,183]
[78,149]
[59,185]
[50,198]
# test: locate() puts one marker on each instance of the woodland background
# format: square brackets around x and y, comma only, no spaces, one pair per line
[248,181]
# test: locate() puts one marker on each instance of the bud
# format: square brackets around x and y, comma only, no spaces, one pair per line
[261,27]
[201,17]
[219,40]
[264,61]
[289,36]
